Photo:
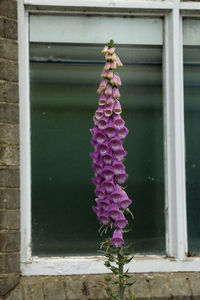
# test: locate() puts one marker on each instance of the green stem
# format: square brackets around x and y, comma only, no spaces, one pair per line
[121,274]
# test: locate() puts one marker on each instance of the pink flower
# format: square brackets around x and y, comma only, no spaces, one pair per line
[103,148]
[102,123]
[121,178]
[104,219]
[125,201]
[107,66]
[99,90]
[110,130]
[103,84]
[117,238]
[105,49]
[119,63]
[102,99]
[108,90]
[110,100]
[109,74]
[107,172]
[118,167]
[100,193]
[116,80]
[113,57]
[100,137]
[108,110]
[108,56]
[116,195]
[115,143]
[116,93]
[120,222]
[118,121]
[108,185]
[107,158]
[99,113]
[108,155]
[104,73]
[114,211]
[105,204]
[117,107]
[111,50]
[120,154]
[113,65]
[122,133]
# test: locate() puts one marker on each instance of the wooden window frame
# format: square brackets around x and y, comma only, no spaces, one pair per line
[176,258]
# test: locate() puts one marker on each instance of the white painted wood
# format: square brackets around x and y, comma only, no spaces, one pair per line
[94,265]
[96,29]
[175,144]
[190,6]
[104,3]
[25,182]
[191,29]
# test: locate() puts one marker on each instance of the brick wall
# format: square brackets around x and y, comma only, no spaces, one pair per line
[9,148]
[163,286]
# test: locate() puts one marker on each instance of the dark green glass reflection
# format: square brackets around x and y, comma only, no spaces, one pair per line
[192,136]
[64,79]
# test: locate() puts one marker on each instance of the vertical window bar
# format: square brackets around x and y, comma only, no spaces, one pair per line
[25,181]
[176,237]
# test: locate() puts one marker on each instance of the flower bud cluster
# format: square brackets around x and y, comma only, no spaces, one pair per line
[107,139]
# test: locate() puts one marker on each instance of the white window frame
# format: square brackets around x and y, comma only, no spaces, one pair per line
[176,258]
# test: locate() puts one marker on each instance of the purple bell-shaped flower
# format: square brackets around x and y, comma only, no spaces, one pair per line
[117,238]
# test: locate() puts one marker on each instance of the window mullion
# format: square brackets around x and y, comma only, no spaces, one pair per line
[25,181]
[176,238]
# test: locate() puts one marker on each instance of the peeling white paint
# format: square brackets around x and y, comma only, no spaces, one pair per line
[95,265]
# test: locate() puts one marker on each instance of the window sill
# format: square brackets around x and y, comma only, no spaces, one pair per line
[94,265]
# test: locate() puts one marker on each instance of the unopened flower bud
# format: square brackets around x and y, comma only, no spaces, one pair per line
[108,56]
[105,49]
[113,57]
[104,73]
[108,90]
[116,93]
[113,65]
[109,74]
[107,66]
[111,50]
[119,63]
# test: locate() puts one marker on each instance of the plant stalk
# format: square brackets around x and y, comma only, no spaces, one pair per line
[121,274]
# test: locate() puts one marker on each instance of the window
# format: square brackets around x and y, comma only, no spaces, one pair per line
[63,82]
[59,73]
[191,101]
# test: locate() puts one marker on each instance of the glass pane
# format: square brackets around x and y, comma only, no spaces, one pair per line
[64,79]
[192,136]
[77,29]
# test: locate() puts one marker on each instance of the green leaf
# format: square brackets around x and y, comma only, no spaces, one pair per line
[127,276]
[126,271]
[114,270]
[107,264]
[113,295]
[111,258]
[107,278]
[108,288]
[130,283]
[132,297]
[128,260]
[115,282]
